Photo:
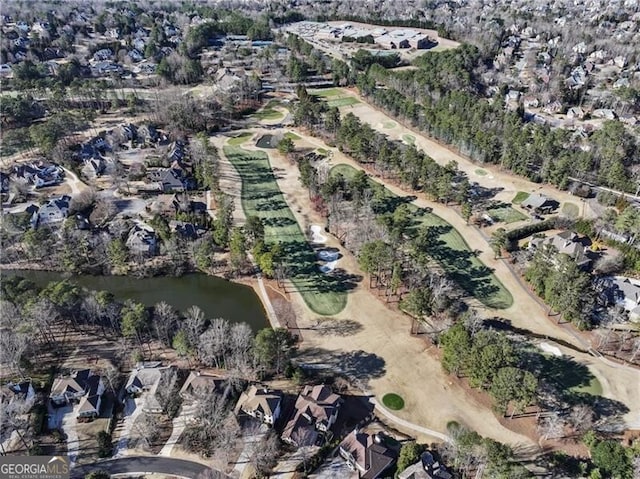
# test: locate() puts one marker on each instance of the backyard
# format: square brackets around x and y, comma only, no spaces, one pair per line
[323,293]
[453,254]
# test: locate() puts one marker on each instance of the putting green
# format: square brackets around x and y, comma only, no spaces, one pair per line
[393,401]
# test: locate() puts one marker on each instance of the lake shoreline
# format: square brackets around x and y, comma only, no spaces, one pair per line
[249,281]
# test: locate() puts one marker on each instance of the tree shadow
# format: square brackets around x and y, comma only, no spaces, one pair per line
[359,366]
[336,327]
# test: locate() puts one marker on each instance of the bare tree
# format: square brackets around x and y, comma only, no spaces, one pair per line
[581,419]
[147,427]
[194,324]
[12,346]
[13,417]
[304,437]
[551,426]
[164,321]
[263,454]
[213,344]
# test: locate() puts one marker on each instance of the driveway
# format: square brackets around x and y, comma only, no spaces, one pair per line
[334,468]
[69,421]
[132,409]
[144,465]
[179,424]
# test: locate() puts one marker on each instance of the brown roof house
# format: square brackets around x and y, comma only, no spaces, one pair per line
[196,382]
[82,386]
[316,410]
[366,454]
[261,403]
[567,243]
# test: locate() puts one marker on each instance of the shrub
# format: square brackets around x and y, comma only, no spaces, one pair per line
[105,448]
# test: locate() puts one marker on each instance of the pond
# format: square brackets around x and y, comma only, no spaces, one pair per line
[215,296]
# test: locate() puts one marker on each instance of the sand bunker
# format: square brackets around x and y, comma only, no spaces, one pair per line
[548,348]
[326,255]
[329,267]
[316,236]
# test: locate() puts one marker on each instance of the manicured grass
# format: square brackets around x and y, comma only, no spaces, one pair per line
[268,114]
[389,124]
[408,139]
[481,172]
[452,252]
[322,151]
[324,294]
[520,197]
[291,136]
[594,388]
[393,401]
[241,138]
[345,101]
[506,214]
[570,210]
[327,92]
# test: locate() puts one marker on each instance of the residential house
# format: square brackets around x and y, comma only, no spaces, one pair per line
[5,70]
[567,243]
[627,295]
[260,403]
[186,230]
[176,151]
[531,102]
[539,203]
[315,411]
[168,179]
[197,382]
[148,378]
[135,55]
[605,113]
[142,240]
[103,55]
[22,391]
[105,68]
[148,134]
[553,108]
[82,386]
[576,113]
[52,211]
[39,174]
[366,454]
[426,468]
[95,165]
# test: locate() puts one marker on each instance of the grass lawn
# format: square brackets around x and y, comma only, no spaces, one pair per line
[268,113]
[291,136]
[322,151]
[481,172]
[506,214]
[389,124]
[393,401]
[452,252]
[570,210]
[520,197]
[344,101]
[327,92]
[241,138]
[594,388]
[261,196]
[408,139]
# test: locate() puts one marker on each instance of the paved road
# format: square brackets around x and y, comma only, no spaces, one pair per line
[142,465]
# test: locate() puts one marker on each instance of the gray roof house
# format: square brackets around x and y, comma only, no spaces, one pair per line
[142,240]
[197,381]
[52,211]
[539,203]
[146,379]
[426,468]
[567,243]
[167,179]
[627,295]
